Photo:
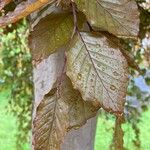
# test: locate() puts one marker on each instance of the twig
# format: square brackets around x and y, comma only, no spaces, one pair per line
[22,10]
[75,18]
[3,3]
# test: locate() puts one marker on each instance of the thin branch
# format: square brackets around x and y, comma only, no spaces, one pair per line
[118,134]
[75,18]
[22,10]
[3,3]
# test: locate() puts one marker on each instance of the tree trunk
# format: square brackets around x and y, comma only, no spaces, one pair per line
[45,75]
[81,139]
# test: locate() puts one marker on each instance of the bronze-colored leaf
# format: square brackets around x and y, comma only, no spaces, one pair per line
[119,17]
[98,70]
[51,33]
[56,114]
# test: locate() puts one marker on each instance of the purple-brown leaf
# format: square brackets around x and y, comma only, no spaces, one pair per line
[98,70]
[119,17]
[57,114]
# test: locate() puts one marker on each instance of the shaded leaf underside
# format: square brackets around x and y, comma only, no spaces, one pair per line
[119,17]
[56,114]
[98,70]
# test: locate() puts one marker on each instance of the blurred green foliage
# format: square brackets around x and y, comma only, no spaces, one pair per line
[8,128]
[138,94]
[16,75]
[104,132]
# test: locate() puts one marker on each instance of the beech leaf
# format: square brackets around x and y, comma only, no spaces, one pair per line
[98,70]
[57,114]
[119,17]
[52,33]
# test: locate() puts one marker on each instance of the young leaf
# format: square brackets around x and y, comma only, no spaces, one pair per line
[117,17]
[51,33]
[56,114]
[98,70]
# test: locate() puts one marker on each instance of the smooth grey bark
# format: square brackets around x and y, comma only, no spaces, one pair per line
[45,75]
[81,139]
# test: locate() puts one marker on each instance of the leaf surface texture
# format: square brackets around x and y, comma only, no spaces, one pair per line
[51,33]
[57,114]
[119,17]
[98,70]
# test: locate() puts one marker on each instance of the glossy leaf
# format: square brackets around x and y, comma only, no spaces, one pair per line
[51,33]
[57,114]
[119,17]
[98,70]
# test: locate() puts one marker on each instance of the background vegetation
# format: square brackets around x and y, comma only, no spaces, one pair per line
[16,82]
